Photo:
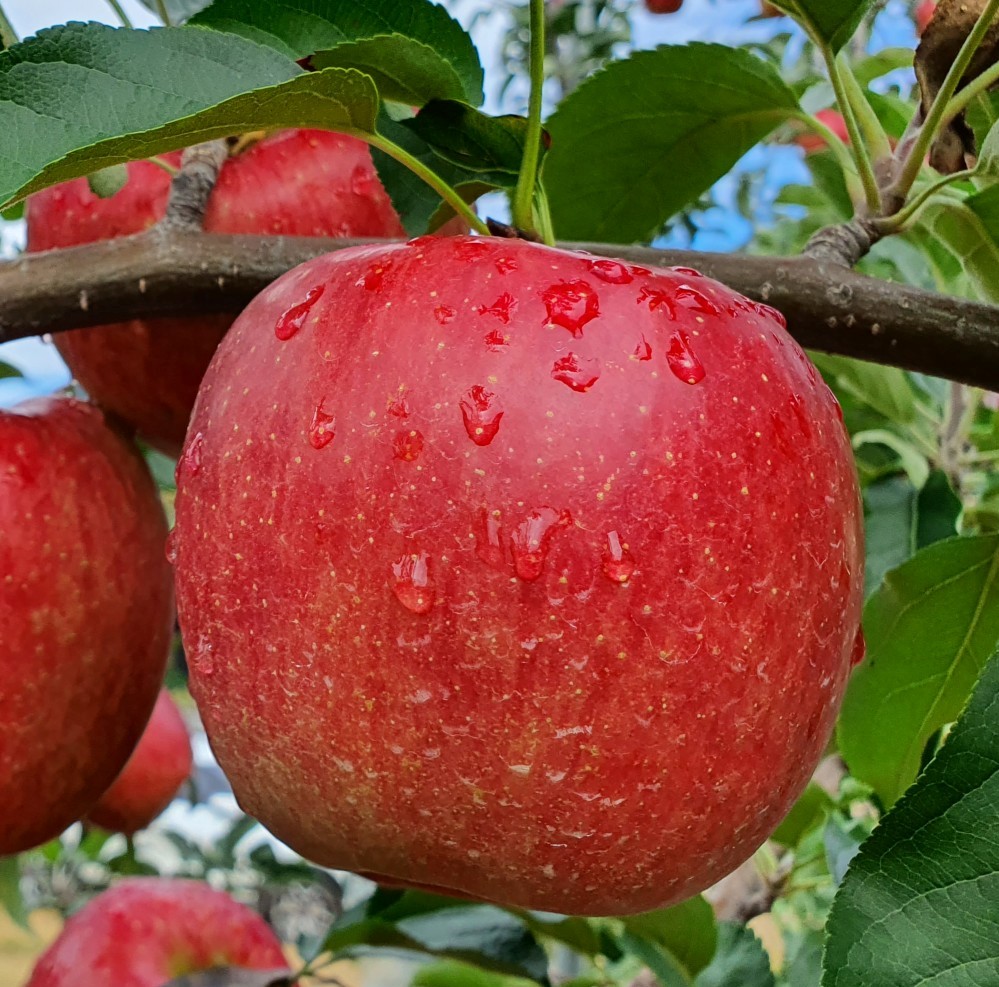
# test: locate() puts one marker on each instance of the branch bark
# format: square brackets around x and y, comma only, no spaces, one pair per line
[170,271]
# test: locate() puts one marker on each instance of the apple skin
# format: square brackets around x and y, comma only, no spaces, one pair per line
[293,183]
[86,606]
[663,6]
[924,14]
[159,765]
[575,646]
[811,142]
[146,931]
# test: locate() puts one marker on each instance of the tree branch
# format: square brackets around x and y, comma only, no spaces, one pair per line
[192,185]
[169,271]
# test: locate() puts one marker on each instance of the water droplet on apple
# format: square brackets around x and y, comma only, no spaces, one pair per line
[611,271]
[444,314]
[171,547]
[322,428]
[489,546]
[472,247]
[531,540]
[643,351]
[190,460]
[617,563]
[656,298]
[640,271]
[481,414]
[859,651]
[411,583]
[505,265]
[496,339]
[690,272]
[769,312]
[571,305]
[399,408]
[696,301]
[407,446]
[294,318]
[502,308]
[422,241]
[578,374]
[362,180]
[373,278]
[681,359]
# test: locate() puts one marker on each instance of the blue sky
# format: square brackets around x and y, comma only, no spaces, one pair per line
[698,20]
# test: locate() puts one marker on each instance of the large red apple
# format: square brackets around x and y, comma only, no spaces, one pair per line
[86,608]
[295,183]
[517,572]
[143,932]
[159,765]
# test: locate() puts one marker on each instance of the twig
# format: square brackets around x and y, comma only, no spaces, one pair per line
[181,272]
[192,186]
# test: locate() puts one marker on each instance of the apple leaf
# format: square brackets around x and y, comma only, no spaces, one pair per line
[82,97]
[930,629]
[900,520]
[917,905]
[231,976]
[830,21]
[841,839]
[10,891]
[687,930]
[886,390]
[740,960]
[452,973]
[647,135]
[811,807]
[7,371]
[414,51]
[666,968]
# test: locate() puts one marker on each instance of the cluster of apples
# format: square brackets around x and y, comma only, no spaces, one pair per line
[544,568]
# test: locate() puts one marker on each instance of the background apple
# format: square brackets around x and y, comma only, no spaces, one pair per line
[924,14]
[159,765]
[543,569]
[296,183]
[663,6]
[810,141]
[86,609]
[143,932]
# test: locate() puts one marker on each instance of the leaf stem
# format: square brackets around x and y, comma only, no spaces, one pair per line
[445,191]
[161,9]
[120,13]
[8,36]
[895,223]
[523,196]
[937,115]
[161,162]
[875,137]
[973,89]
[836,145]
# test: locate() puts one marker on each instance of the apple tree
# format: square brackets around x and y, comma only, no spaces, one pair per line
[432,561]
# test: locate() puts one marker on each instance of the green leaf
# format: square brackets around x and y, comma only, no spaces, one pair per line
[831,21]
[842,840]
[969,232]
[7,371]
[83,97]
[810,808]
[930,629]
[660,961]
[687,930]
[177,10]
[415,51]
[10,891]
[887,390]
[740,960]
[454,974]
[648,135]
[579,934]
[918,905]
[899,520]
[108,181]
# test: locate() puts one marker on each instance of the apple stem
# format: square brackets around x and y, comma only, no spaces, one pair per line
[120,13]
[164,14]
[524,194]
[8,36]
[445,191]
[192,185]
[944,107]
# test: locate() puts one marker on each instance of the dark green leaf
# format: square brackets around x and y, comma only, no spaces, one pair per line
[231,976]
[6,370]
[919,904]
[13,214]
[451,973]
[414,51]
[579,934]
[10,890]
[887,390]
[666,967]
[82,97]
[829,21]
[740,960]
[648,135]
[968,231]
[687,930]
[806,813]
[930,629]
[108,181]
[803,967]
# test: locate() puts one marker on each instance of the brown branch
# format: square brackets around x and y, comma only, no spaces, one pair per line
[176,272]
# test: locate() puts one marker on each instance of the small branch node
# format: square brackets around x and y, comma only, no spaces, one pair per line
[192,186]
[843,244]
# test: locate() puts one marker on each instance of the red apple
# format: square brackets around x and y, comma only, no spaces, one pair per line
[769,10]
[145,931]
[924,14]
[544,570]
[159,765]
[810,141]
[86,608]
[296,183]
[663,6]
